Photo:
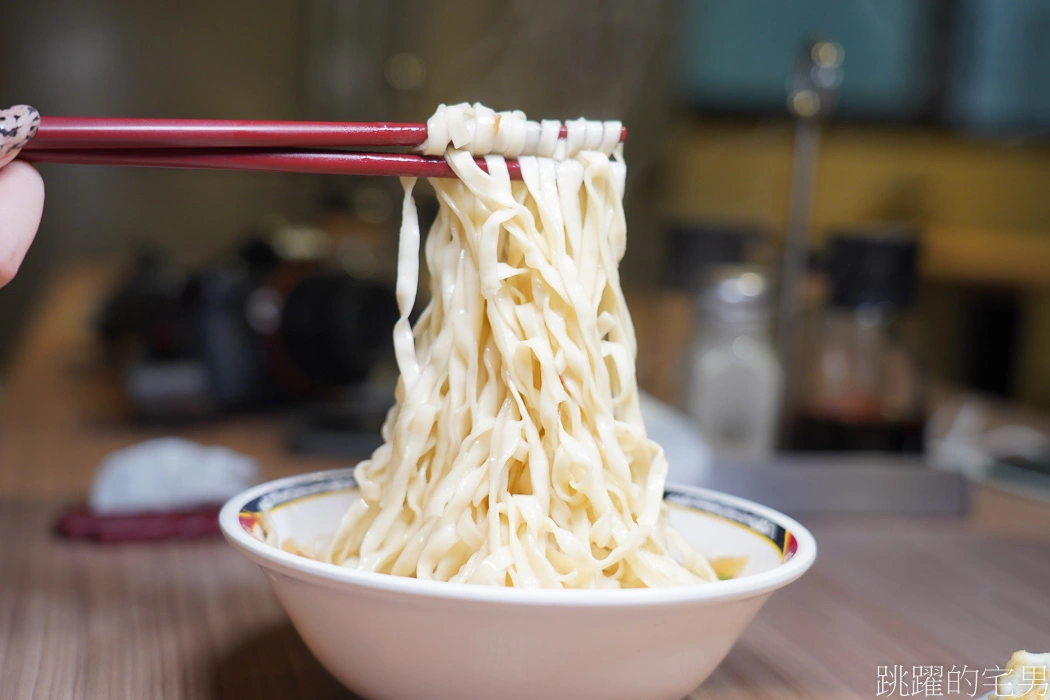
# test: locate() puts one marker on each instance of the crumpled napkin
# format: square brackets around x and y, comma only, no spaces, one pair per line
[169,474]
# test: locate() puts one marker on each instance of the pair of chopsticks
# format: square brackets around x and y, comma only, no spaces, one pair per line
[275,146]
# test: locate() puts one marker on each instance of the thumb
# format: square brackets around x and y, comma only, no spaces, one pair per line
[21,189]
[21,203]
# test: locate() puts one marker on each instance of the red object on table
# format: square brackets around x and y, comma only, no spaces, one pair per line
[82,523]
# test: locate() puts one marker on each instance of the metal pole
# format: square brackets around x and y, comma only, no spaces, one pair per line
[811,97]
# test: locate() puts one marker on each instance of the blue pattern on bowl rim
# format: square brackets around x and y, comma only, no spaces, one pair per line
[784,541]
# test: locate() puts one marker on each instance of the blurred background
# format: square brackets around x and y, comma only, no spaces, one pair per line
[838,211]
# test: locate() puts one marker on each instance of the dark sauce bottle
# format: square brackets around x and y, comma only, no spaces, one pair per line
[863,388]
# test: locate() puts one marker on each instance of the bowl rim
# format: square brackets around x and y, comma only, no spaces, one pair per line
[270,557]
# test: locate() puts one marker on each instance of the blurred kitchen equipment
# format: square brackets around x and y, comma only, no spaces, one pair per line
[275,322]
[862,386]
[811,98]
[734,375]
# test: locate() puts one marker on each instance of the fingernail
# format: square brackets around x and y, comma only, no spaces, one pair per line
[18,124]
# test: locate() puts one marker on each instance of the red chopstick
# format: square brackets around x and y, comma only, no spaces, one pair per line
[92,132]
[282,160]
[274,146]
[106,132]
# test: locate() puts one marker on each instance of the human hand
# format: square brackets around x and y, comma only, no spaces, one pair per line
[21,189]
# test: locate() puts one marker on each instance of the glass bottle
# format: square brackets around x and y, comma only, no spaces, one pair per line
[863,388]
[735,378]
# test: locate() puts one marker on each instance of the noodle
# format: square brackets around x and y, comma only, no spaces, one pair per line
[516,454]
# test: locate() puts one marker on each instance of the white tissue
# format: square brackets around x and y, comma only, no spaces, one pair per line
[169,474]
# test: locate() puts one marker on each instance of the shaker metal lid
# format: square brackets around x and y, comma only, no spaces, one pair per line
[736,292]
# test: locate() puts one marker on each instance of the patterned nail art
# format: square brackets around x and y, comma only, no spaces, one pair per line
[18,124]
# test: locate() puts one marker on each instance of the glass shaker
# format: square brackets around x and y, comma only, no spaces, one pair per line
[735,379]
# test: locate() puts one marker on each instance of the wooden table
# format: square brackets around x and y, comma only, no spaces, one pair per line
[195,620]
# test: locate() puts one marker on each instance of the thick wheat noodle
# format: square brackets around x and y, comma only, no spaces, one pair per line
[515,454]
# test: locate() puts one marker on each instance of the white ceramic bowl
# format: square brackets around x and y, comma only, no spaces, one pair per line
[393,638]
